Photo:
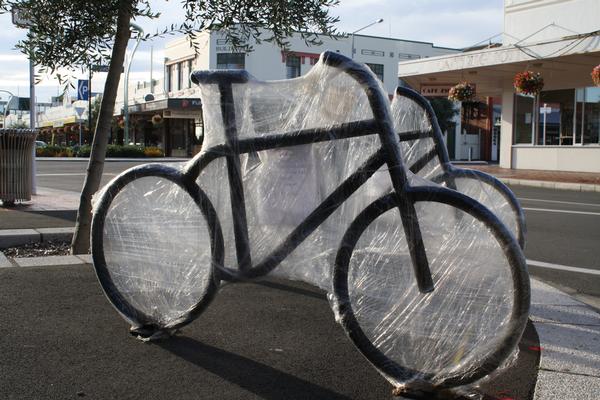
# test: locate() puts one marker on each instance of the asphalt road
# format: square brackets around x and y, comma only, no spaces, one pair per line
[563,226]
[563,229]
[61,339]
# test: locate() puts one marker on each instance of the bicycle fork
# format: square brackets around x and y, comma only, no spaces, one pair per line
[414,239]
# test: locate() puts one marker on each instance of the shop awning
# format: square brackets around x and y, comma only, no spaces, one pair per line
[564,63]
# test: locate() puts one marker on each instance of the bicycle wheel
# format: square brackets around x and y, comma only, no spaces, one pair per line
[463,330]
[155,242]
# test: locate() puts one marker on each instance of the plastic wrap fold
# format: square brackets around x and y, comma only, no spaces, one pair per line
[304,179]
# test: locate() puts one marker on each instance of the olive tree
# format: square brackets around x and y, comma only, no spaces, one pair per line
[74,34]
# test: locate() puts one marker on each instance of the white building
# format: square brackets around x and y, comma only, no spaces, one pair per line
[177,100]
[560,128]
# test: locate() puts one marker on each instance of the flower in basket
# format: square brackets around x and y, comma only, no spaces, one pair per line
[157,119]
[462,92]
[529,82]
[596,75]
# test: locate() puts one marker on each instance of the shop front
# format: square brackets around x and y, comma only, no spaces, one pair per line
[555,128]
[173,125]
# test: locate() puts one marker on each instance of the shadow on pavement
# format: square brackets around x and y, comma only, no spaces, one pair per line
[253,376]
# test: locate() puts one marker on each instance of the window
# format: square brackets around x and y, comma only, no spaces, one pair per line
[189,74]
[169,78]
[292,64]
[558,118]
[555,121]
[587,116]
[377,70]
[523,119]
[179,76]
[231,60]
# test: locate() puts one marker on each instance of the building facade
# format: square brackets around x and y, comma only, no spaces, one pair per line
[175,100]
[559,129]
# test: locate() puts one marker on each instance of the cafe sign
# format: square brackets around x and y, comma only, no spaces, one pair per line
[437,90]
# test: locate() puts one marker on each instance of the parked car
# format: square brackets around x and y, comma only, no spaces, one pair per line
[40,144]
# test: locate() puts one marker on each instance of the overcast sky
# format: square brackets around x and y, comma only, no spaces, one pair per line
[448,23]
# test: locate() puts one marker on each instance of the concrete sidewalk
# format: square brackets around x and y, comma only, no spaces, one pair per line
[563,180]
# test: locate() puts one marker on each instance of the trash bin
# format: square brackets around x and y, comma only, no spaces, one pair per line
[16,164]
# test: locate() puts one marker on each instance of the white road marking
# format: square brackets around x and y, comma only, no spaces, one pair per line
[560,202]
[72,174]
[543,264]
[561,211]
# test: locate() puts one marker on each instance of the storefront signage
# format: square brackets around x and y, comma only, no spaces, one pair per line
[438,90]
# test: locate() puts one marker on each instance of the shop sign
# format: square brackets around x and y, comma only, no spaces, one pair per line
[438,90]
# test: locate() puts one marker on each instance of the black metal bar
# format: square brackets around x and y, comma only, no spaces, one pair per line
[463,374]
[423,161]
[316,218]
[236,187]
[278,140]
[391,145]
[414,135]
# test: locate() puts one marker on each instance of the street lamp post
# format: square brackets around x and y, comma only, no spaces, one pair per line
[140,32]
[380,20]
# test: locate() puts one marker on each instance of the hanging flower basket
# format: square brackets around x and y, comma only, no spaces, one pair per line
[464,91]
[529,82]
[596,75]
[121,123]
[157,119]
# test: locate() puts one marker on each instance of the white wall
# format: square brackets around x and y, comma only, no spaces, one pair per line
[265,62]
[524,17]
[557,158]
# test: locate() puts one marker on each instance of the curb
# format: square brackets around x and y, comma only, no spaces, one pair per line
[86,159]
[579,187]
[18,237]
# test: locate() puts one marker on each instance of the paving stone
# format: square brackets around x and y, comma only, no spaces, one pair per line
[47,261]
[570,348]
[17,237]
[561,386]
[573,314]
[86,258]
[4,262]
[56,233]
[542,293]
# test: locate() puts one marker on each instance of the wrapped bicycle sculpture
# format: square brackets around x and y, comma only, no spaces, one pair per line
[304,179]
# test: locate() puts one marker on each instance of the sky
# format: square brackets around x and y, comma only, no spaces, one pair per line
[446,23]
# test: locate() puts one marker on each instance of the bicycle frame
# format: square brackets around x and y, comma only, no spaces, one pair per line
[389,154]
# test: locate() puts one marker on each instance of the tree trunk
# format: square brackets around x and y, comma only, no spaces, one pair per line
[81,238]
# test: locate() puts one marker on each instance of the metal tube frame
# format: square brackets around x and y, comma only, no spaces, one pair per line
[450,172]
[403,198]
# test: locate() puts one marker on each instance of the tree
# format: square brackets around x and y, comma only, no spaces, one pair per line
[74,34]
[444,111]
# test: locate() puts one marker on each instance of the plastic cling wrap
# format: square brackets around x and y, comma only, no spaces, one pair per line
[309,179]
[426,155]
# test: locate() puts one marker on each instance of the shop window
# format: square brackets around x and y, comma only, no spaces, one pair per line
[231,60]
[377,70]
[587,116]
[523,119]
[555,118]
[292,64]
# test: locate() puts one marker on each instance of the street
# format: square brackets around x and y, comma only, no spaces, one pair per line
[562,243]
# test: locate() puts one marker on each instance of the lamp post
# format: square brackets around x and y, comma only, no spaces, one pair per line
[140,32]
[380,20]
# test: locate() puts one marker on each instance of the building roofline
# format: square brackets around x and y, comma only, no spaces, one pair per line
[406,40]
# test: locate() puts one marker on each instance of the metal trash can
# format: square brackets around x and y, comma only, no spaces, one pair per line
[16,164]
